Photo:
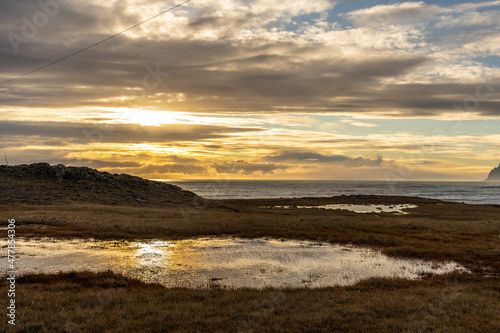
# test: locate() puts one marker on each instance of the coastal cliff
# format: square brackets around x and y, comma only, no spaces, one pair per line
[494,175]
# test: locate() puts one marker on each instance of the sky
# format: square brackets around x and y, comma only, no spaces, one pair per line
[255,89]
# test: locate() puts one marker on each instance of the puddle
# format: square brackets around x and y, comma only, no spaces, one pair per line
[225,262]
[398,209]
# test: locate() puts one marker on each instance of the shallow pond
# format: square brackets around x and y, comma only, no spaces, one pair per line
[229,262]
[398,209]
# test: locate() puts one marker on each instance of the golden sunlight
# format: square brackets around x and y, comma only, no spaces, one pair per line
[147,117]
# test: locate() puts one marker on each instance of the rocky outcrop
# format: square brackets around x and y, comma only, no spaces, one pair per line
[42,183]
[494,175]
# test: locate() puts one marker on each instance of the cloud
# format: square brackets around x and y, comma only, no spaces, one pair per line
[424,162]
[269,77]
[184,168]
[244,84]
[470,6]
[318,67]
[246,168]
[312,157]
[470,14]
[119,133]
[469,19]
[488,45]
[179,159]
[360,124]
[399,13]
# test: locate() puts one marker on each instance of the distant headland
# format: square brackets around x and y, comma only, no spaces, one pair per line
[494,175]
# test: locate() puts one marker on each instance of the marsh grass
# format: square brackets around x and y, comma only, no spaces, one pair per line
[106,302]
[468,234]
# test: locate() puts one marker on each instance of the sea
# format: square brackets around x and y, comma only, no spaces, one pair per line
[467,192]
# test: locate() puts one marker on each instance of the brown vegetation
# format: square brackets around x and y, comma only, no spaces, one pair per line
[468,234]
[112,207]
[105,302]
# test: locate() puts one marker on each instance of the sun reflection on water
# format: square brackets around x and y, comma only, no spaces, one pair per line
[152,258]
[230,262]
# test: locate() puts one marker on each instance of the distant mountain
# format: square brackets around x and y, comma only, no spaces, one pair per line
[42,183]
[494,175]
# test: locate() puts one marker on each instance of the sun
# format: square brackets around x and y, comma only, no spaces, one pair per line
[148,117]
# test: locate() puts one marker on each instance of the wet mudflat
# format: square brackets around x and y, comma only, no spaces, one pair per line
[219,261]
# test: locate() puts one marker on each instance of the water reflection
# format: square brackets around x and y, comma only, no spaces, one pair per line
[397,209]
[151,258]
[231,262]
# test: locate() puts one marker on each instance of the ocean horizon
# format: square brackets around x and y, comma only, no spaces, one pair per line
[471,192]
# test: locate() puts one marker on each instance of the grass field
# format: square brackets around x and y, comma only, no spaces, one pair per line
[98,302]
[89,302]
[468,234]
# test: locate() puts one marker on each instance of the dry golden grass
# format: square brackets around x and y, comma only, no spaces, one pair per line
[105,302]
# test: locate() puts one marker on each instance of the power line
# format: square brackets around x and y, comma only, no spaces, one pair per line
[3,148]
[90,46]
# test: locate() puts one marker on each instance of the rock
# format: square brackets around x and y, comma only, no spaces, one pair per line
[494,175]
[60,183]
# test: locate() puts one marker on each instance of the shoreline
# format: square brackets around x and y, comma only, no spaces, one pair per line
[467,192]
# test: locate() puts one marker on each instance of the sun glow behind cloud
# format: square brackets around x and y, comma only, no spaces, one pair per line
[148,118]
[260,89]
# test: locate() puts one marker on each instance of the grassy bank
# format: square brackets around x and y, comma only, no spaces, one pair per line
[89,302]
